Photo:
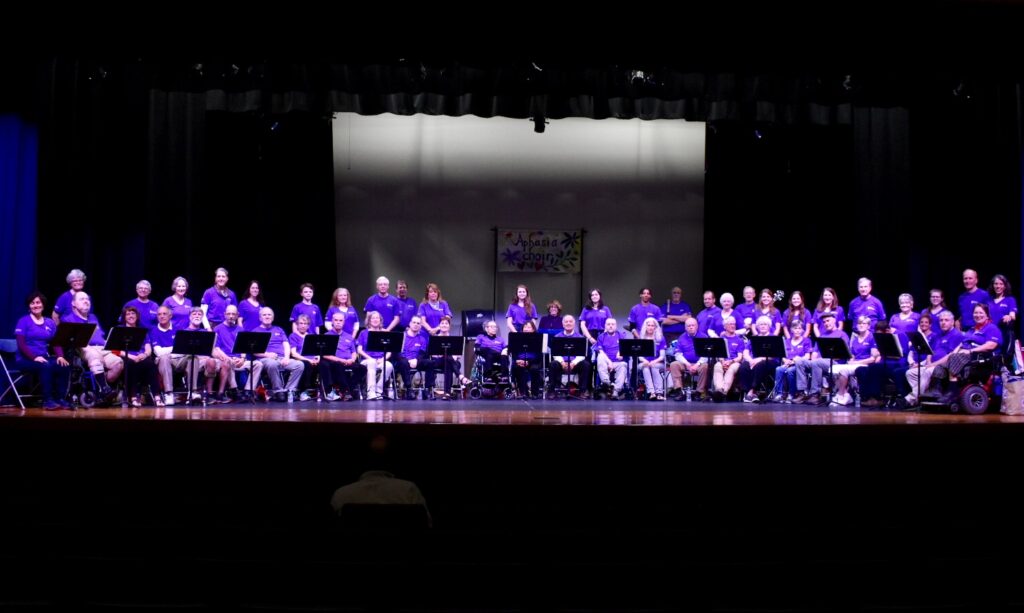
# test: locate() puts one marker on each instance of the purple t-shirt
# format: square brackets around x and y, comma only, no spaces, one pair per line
[974,337]
[998,310]
[162,338]
[803,315]
[734,345]
[642,311]
[861,348]
[226,336]
[216,303]
[575,334]
[147,312]
[37,336]
[659,346]
[840,317]
[179,312]
[799,349]
[870,307]
[706,317]
[250,314]
[311,311]
[772,314]
[277,339]
[520,316]
[834,334]
[295,341]
[676,308]
[346,345]
[595,318]
[609,345]
[98,337]
[684,346]
[351,318]
[413,346]
[745,314]
[944,343]
[904,326]
[717,324]
[63,305]
[495,344]
[406,309]
[433,314]
[361,342]
[386,306]
[967,301]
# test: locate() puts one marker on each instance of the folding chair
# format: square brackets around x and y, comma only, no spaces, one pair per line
[8,349]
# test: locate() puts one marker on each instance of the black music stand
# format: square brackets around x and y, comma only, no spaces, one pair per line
[634,349]
[527,342]
[386,342]
[320,345]
[446,346]
[192,343]
[125,339]
[833,348]
[922,348]
[73,336]
[251,343]
[568,346]
[767,346]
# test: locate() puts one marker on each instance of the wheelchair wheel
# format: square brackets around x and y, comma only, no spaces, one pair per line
[509,394]
[475,392]
[88,399]
[974,400]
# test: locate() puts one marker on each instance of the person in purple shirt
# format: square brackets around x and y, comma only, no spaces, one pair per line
[161,337]
[797,311]
[766,308]
[277,357]
[147,308]
[307,308]
[653,366]
[407,307]
[414,357]
[521,310]
[641,311]
[385,305]
[568,364]
[223,351]
[829,301]
[676,312]
[552,322]
[1002,306]
[249,309]
[725,370]
[593,316]
[375,361]
[342,370]
[717,326]
[871,378]
[943,344]
[687,361]
[76,281]
[493,350]
[433,308]
[863,352]
[973,295]
[798,349]
[178,303]
[452,363]
[709,314]
[140,367]
[983,338]
[756,370]
[34,333]
[936,303]
[216,299]
[527,366]
[213,368]
[817,366]
[611,369]
[866,305]
[341,302]
[905,322]
[310,363]
[745,313]
[97,358]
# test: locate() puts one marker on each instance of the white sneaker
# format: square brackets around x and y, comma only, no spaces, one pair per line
[303,397]
[169,399]
[333,396]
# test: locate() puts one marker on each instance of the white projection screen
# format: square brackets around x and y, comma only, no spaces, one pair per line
[418,198]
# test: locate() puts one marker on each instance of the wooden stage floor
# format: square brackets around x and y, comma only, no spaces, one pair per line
[519,413]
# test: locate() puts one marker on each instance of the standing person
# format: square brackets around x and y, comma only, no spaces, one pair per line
[216,299]
[593,316]
[307,308]
[766,308]
[708,314]
[676,312]
[1002,306]
[146,307]
[179,304]
[936,304]
[521,310]
[866,305]
[407,307]
[717,326]
[828,302]
[642,310]
[552,322]
[746,313]
[972,296]
[797,311]
[249,309]
[384,304]
[906,321]
[433,309]
[34,334]
[341,302]
[76,281]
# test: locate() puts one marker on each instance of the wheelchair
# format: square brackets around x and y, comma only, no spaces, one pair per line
[977,384]
[489,379]
[82,388]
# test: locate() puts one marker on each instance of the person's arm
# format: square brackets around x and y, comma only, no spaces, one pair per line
[206,322]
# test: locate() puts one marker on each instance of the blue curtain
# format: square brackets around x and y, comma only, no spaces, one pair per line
[19,147]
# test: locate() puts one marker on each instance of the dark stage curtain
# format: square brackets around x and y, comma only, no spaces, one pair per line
[19,142]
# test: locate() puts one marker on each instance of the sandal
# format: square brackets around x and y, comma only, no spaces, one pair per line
[158,401]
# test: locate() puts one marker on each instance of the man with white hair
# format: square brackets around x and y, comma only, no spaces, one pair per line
[385,304]
[277,357]
[94,355]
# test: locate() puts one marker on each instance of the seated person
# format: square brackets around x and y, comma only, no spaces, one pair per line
[943,344]
[310,363]
[653,366]
[724,372]
[567,364]
[526,365]
[374,361]
[277,357]
[611,368]
[342,370]
[871,378]
[983,339]
[414,357]
[140,367]
[103,364]
[757,370]
[34,333]
[818,366]
[223,353]
[798,350]
[687,361]
[864,352]
[493,350]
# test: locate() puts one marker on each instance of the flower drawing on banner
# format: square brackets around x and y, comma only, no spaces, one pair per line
[512,257]
[569,239]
